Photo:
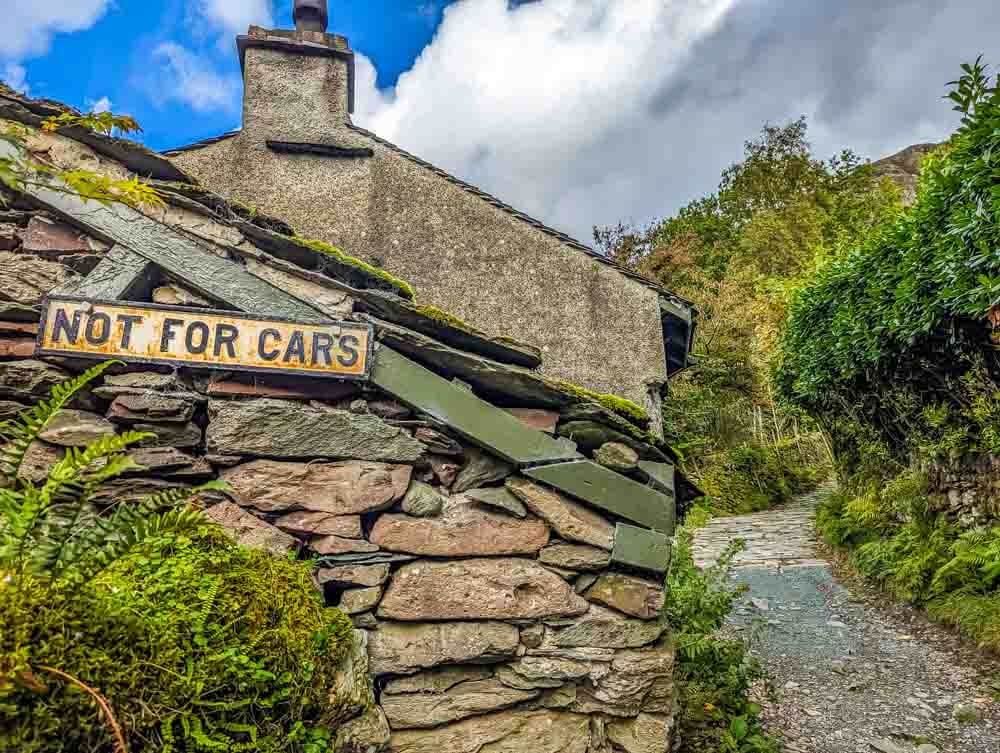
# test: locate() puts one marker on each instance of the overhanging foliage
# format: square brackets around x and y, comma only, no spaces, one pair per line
[913,307]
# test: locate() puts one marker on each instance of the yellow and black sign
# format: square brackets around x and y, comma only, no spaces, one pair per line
[150,333]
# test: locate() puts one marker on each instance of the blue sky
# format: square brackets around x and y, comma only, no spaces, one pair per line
[115,58]
[580,112]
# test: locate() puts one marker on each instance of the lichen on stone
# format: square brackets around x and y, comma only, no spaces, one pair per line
[613,403]
[401,286]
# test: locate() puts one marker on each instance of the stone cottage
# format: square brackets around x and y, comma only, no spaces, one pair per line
[499,538]
[299,156]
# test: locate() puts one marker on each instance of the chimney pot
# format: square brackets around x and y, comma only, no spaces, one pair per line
[311,15]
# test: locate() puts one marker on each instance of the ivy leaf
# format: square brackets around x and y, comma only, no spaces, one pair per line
[739,728]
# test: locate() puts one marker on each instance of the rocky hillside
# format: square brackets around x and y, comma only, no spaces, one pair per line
[904,168]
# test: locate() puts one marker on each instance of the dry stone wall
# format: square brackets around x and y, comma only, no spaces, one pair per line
[502,562]
[488,611]
[968,490]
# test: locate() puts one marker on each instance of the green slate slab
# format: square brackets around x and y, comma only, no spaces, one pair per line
[660,476]
[610,491]
[483,424]
[641,548]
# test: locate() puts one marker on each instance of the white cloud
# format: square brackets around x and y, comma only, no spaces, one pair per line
[192,73]
[99,105]
[190,79]
[234,16]
[370,101]
[15,76]
[30,24]
[585,112]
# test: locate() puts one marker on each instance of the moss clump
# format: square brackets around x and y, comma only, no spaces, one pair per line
[613,403]
[442,316]
[450,320]
[197,644]
[401,286]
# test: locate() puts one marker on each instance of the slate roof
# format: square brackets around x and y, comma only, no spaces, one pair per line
[487,197]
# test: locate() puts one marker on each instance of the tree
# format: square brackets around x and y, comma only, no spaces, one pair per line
[739,254]
[19,168]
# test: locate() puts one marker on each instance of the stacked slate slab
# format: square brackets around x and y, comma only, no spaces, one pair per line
[499,542]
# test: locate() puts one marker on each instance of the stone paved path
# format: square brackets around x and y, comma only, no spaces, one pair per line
[851,674]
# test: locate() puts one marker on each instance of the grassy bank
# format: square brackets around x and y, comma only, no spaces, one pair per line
[921,557]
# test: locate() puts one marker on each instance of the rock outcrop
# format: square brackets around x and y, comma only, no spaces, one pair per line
[903,169]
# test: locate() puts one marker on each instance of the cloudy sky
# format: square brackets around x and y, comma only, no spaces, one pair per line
[581,112]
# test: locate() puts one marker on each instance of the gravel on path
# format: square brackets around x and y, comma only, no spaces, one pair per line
[851,673]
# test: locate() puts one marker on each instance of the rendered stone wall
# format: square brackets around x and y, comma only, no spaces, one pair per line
[493,612]
[596,327]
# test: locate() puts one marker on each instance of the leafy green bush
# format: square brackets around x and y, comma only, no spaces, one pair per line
[52,529]
[143,627]
[897,323]
[714,674]
[917,555]
[754,477]
[892,349]
[197,644]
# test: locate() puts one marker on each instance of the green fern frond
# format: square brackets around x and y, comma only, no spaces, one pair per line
[23,430]
[132,524]
[59,548]
[168,498]
[77,465]
[29,508]
[102,551]
[19,509]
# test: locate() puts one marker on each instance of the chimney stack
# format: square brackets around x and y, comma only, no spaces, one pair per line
[298,85]
[311,15]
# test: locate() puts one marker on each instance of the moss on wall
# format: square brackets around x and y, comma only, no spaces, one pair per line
[402,286]
[613,403]
[440,315]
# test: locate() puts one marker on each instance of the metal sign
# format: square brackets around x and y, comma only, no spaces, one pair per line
[177,336]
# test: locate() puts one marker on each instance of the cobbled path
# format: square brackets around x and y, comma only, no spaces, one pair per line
[850,672]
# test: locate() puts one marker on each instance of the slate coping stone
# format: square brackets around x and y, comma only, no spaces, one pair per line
[641,548]
[478,421]
[610,491]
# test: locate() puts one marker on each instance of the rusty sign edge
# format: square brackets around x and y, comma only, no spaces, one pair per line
[175,363]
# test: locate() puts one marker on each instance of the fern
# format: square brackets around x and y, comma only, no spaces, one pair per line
[40,520]
[92,548]
[51,529]
[975,565]
[108,543]
[20,432]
